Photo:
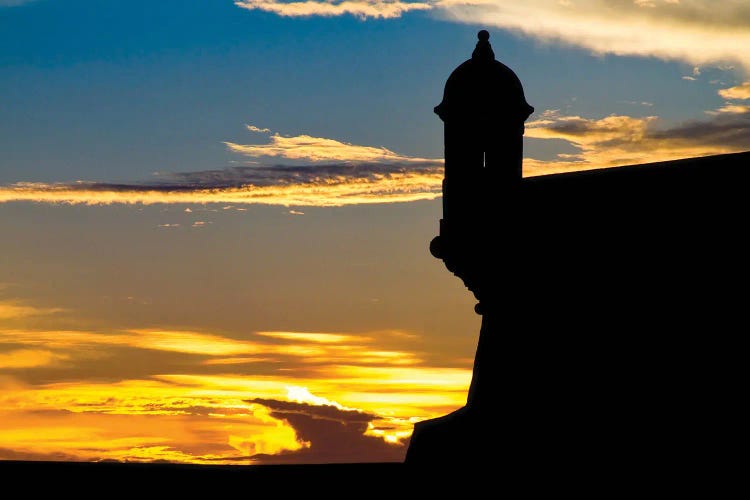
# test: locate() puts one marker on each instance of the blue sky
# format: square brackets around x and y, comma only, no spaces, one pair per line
[216,212]
[113,91]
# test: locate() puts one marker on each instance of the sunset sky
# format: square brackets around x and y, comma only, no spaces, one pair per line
[215,215]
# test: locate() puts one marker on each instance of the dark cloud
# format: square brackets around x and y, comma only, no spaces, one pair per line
[728,129]
[623,140]
[261,176]
[721,128]
[334,435]
[313,185]
[286,174]
[574,126]
[320,412]
[57,456]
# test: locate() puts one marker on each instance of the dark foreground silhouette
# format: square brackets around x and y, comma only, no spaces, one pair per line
[612,324]
[611,302]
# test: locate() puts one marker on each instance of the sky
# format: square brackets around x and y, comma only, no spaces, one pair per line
[215,215]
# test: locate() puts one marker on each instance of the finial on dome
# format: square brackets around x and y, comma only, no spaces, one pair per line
[483,51]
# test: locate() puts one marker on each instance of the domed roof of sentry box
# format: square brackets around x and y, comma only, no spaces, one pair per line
[485,90]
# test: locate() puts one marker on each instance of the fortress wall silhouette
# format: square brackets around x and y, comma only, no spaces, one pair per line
[612,339]
[614,352]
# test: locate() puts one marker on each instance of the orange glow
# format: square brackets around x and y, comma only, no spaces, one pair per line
[306,347]
[325,338]
[12,310]
[174,437]
[334,192]
[235,361]
[28,358]
[191,343]
[199,417]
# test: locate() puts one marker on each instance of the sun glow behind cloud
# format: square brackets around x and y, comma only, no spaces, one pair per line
[211,411]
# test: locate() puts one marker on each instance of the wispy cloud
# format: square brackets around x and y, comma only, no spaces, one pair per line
[319,149]
[15,310]
[377,9]
[253,128]
[300,186]
[326,172]
[302,347]
[698,32]
[735,109]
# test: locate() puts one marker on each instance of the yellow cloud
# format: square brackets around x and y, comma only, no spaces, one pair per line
[377,9]
[736,109]
[192,343]
[739,92]
[93,436]
[403,392]
[697,32]
[618,140]
[332,192]
[333,173]
[303,346]
[324,338]
[318,149]
[587,131]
